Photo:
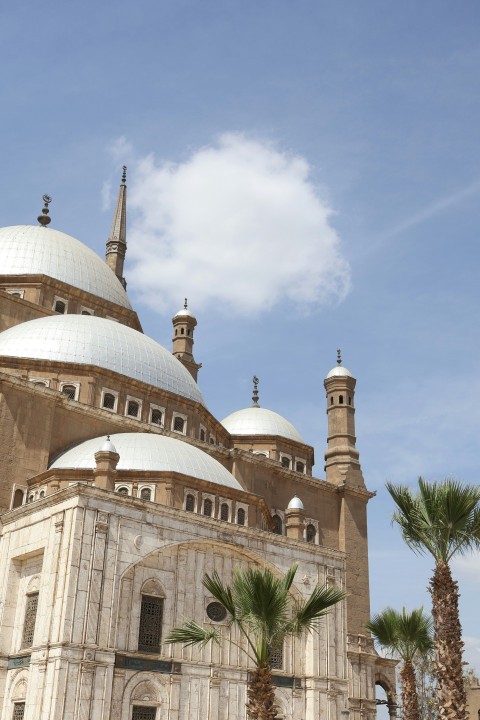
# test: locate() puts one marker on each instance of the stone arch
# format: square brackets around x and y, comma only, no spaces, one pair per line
[141,686]
[33,584]
[153,587]
[284,703]
[383,681]
[19,690]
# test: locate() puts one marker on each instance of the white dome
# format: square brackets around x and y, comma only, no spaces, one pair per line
[90,340]
[339,371]
[185,312]
[149,452]
[108,446]
[36,250]
[259,421]
[295,504]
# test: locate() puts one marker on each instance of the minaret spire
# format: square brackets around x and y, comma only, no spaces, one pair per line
[255,391]
[117,240]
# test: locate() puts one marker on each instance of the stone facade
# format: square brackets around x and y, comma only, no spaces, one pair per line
[93,553]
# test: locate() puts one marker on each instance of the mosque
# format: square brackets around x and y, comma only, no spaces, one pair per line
[119,490]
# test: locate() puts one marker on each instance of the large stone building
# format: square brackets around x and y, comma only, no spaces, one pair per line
[119,490]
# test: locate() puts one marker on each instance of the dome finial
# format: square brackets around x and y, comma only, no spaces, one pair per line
[185,304]
[124,175]
[339,356]
[255,391]
[44,218]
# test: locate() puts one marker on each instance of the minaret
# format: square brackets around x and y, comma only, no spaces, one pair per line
[184,323]
[342,465]
[117,240]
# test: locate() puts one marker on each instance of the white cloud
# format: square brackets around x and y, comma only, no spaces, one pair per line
[107,195]
[467,567]
[239,224]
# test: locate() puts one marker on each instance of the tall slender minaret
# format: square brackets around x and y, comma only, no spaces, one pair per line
[117,240]
[184,323]
[342,464]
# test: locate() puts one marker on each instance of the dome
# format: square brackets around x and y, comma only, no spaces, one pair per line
[37,250]
[339,371]
[149,452]
[295,504]
[108,446]
[185,312]
[90,340]
[259,421]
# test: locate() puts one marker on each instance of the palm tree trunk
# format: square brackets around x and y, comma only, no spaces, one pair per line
[409,693]
[261,695]
[452,701]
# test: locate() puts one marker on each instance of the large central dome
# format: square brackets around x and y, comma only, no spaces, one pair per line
[104,344]
[36,250]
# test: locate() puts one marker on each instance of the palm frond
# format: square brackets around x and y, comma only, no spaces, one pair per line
[221,592]
[307,613]
[191,633]
[404,634]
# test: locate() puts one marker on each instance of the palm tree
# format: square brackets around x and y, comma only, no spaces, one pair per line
[408,636]
[443,520]
[260,605]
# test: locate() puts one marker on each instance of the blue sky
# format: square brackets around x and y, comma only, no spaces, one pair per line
[347,131]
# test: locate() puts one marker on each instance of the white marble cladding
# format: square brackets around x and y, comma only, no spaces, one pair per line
[89,553]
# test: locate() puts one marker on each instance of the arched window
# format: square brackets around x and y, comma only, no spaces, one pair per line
[202,435]
[212,441]
[285,461]
[179,424]
[299,467]
[31,498]
[349,400]
[43,383]
[190,503]
[42,494]
[224,512]
[18,498]
[340,399]
[146,494]
[70,391]
[86,312]
[277,524]
[240,516]
[109,401]
[331,400]
[133,408]
[188,332]
[60,307]
[310,533]
[123,490]
[207,507]
[29,621]
[156,417]
[150,629]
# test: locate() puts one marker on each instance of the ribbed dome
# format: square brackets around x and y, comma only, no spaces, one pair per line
[36,250]
[149,452]
[104,344]
[259,421]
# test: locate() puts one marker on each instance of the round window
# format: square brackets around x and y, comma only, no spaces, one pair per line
[216,611]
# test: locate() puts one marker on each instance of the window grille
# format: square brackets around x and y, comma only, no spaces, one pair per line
[150,631]
[300,467]
[140,712]
[224,512]
[240,516]
[122,490]
[133,408]
[156,417]
[18,711]
[276,659]
[207,507]
[216,611]
[109,401]
[277,524]
[60,307]
[190,503]
[311,532]
[70,391]
[146,494]
[29,621]
[285,461]
[178,424]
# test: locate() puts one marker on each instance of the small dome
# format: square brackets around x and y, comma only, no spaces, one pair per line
[108,446]
[259,421]
[185,312]
[295,504]
[151,453]
[103,343]
[339,371]
[36,250]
